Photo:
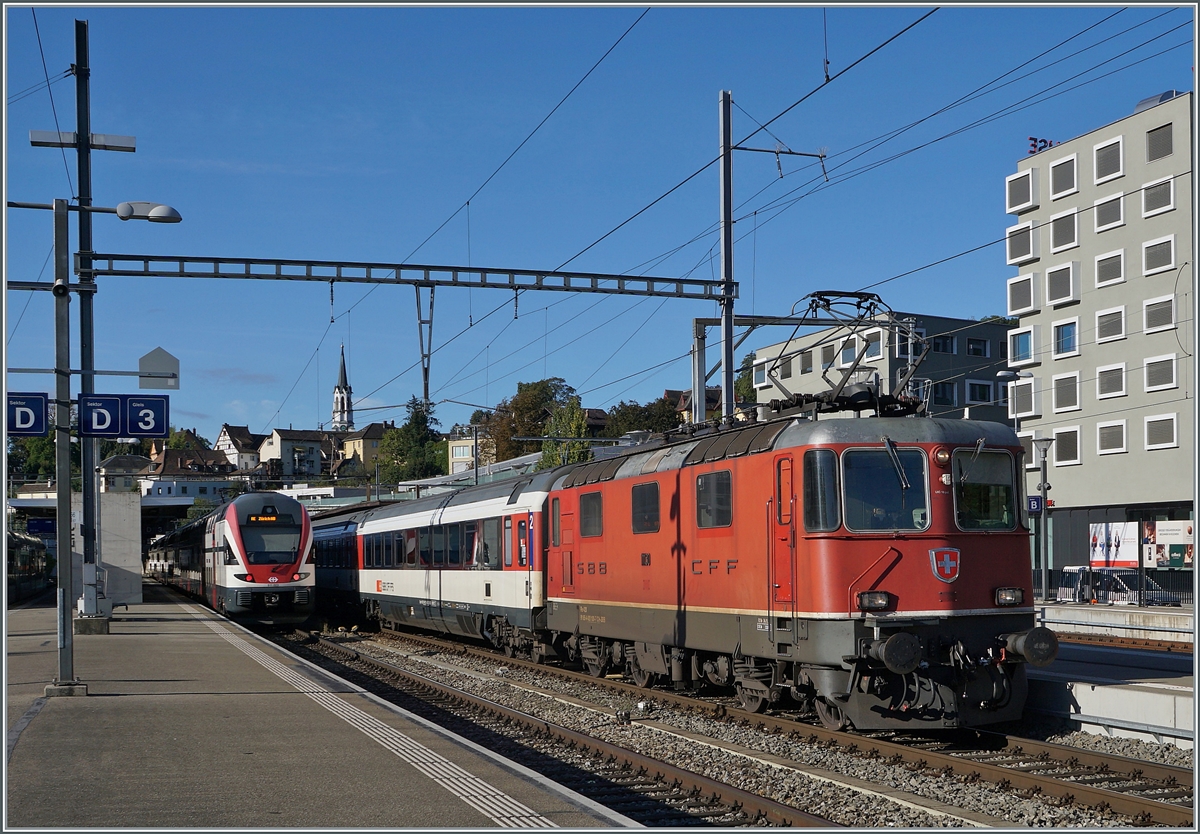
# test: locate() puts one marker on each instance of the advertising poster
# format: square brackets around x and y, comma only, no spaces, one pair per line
[1113,544]
[1168,544]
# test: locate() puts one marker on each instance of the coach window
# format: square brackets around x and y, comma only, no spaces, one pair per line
[426,545]
[491,542]
[522,542]
[555,524]
[714,499]
[508,542]
[453,553]
[591,514]
[820,491]
[439,545]
[984,490]
[885,489]
[387,550]
[368,551]
[645,508]
[468,543]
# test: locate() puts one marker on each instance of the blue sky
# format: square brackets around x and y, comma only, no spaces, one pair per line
[354,133]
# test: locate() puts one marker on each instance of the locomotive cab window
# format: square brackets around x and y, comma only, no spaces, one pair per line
[591,514]
[985,492]
[885,489]
[821,491]
[645,508]
[714,499]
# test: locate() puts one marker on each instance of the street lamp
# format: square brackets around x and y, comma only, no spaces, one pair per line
[66,683]
[1043,445]
[1009,377]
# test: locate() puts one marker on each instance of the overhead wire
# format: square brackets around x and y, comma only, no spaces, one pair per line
[28,91]
[53,109]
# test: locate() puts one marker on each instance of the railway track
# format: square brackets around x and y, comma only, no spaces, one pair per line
[1145,792]
[647,790]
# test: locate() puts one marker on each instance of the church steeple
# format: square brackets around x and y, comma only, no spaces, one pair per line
[343,405]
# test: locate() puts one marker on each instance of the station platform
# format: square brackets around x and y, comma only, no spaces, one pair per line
[191,721]
[1130,693]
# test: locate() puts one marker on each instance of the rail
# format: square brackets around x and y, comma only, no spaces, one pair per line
[1125,626]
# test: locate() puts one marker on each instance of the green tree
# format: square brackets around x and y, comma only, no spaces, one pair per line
[34,459]
[186,439]
[525,415]
[410,452]
[566,420]
[1011,322]
[655,416]
[743,383]
[200,508]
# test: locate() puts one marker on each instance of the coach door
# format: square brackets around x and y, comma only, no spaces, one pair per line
[783,539]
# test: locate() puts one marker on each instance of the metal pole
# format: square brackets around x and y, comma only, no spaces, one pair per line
[87,353]
[1044,487]
[727,369]
[62,441]
[699,384]
[475,450]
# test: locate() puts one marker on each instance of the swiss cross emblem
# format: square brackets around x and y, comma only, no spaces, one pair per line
[945,562]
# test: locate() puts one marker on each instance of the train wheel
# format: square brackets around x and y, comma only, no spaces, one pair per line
[751,699]
[596,668]
[643,678]
[510,649]
[831,715]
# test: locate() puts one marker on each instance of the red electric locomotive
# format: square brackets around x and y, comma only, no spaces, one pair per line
[875,570]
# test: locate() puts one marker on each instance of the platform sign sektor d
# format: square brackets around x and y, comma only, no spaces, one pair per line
[28,414]
[123,415]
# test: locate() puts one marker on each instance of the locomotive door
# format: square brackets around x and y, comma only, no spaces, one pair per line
[783,538]
[566,530]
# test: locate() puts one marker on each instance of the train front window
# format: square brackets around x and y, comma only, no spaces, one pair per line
[878,497]
[984,490]
[275,545]
[821,491]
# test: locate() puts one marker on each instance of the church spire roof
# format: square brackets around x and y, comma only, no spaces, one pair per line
[342,372]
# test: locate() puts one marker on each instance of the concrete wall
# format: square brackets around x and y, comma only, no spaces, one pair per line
[119,548]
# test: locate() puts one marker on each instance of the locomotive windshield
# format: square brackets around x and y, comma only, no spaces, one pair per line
[885,489]
[984,490]
[274,545]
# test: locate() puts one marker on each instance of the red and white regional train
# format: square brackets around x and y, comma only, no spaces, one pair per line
[250,559]
[876,570]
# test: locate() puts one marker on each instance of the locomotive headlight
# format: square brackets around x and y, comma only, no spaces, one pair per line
[1009,596]
[296,577]
[245,577]
[874,600]
[941,457]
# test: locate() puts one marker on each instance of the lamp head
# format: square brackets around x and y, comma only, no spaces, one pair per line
[154,212]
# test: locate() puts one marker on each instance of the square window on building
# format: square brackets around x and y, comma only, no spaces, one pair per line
[977,347]
[1066,392]
[943,343]
[1024,399]
[1021,243]
[1108,159]
[1066,446]
[1109,212]
[1110,325]
[760,375]
[1064,231]
[1021,295]
[1160,432]
[849,351]
[204,490]
[1110,437]
[1062,177]
[1160,372]
[1022,346]
[1110,268]
[1158,255]
[979,392]
[1110,381]
[806,362]
[785,368]
[1158,314]
[1030,452]
[1062,284]
[1066,338]
[828,352]
[1020,191]
[1158,143]
[1158,197]
[945,393]
[874,344]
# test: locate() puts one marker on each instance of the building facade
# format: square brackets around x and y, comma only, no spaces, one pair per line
[239,445]
[1104,290]
[957,376]
[360,449]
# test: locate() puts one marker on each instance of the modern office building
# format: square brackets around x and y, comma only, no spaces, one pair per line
[956,376]
[1104,288]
